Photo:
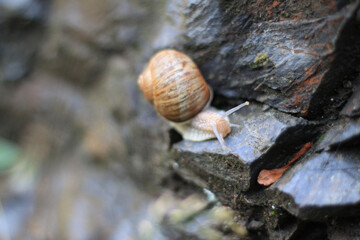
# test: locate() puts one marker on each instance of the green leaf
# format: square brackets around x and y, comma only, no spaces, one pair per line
[9,153]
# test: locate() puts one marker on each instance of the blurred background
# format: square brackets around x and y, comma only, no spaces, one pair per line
[73,165]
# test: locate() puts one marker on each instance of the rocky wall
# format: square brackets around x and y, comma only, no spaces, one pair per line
[69,98]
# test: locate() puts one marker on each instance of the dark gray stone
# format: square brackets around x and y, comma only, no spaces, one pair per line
[265,140]
[254,225]
[352,107]
[344,229]
[169,28]
[341,134]
[203,24]
[327,184]
[285,233]
[280,63]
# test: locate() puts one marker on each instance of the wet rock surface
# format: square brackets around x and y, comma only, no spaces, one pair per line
[352,107]
[281,63]
[325,185]
[292,66]
[342,134]
[95,161]
[264,140]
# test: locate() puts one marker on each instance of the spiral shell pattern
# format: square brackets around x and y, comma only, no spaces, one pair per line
[174,85]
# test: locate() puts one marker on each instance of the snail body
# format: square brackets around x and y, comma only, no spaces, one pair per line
[205,126]
[175,86]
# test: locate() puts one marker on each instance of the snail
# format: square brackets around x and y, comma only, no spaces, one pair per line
[175,86]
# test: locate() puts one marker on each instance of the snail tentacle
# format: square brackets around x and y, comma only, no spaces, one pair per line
[235,125]
[218,135]
[234,109]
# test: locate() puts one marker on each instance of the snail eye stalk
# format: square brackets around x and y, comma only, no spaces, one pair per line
[218,136]
[234,109]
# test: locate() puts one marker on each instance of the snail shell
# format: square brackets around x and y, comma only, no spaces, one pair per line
[174,85]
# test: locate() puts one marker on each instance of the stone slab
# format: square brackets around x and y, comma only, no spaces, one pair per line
[265,140]
[352,107]
[281,63]
[341,134]
[328,184]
